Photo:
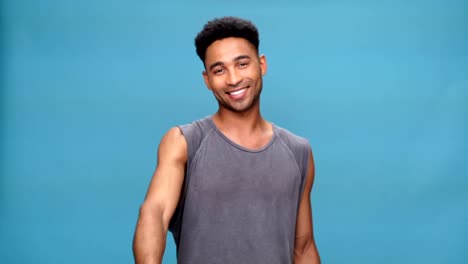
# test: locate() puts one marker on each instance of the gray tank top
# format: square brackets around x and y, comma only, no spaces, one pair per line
[239,205]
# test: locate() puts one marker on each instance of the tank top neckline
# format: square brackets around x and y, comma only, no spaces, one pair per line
[263,148]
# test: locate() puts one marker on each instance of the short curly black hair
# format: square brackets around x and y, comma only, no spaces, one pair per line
[225,27]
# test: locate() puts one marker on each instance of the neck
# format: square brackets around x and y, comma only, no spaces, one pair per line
[247,129]
[240,122]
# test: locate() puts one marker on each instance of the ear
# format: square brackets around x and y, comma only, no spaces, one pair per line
[206,79]
[263,64]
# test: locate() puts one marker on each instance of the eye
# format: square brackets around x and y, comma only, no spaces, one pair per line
[243,64]
[218,71]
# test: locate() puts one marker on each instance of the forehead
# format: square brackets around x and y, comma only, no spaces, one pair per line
[227,49]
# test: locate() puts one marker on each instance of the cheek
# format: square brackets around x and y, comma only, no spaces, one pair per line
[255,72]
[210,83]
[217,84]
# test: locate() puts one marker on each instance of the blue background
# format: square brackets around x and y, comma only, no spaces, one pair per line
[380,88]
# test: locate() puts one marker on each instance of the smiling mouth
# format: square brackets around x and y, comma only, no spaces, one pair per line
[237,92]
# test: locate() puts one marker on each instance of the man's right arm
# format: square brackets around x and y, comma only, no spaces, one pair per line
[161,199]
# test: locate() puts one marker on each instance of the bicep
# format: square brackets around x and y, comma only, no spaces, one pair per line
[304,230]
[166,184]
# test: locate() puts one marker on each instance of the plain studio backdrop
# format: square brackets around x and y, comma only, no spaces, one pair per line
[380,88]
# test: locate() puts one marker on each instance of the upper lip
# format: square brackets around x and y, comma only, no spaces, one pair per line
[238,89]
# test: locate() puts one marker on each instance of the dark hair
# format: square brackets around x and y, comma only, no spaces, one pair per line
[225,27]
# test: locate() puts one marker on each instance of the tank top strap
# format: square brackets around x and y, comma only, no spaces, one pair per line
[194,134]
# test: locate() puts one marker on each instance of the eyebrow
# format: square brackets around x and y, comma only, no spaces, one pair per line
[238,58]
[241,57]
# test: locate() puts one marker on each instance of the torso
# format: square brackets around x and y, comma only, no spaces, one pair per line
[240,204]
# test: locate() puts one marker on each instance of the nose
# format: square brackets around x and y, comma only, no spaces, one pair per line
[233,78]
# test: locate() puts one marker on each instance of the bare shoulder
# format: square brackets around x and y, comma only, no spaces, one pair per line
[173,146]
[166,184]
[169,173]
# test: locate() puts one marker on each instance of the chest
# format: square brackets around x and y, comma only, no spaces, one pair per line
[220,167]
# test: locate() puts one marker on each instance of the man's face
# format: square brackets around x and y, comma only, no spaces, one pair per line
[234,73]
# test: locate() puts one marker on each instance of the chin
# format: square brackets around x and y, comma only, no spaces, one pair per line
[242,109]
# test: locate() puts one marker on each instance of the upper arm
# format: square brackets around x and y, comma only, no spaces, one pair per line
[166,184]
[304,229]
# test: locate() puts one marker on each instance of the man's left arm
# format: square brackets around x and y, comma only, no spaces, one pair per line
[305,250]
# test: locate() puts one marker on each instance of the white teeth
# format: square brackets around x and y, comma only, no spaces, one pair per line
[237,92]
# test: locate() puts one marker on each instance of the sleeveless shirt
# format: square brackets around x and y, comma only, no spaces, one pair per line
[238,205]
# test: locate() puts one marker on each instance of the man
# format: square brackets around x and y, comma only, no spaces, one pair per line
[231,187]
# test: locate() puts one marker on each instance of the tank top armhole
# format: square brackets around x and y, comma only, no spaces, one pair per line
[305,164]
[299,147]
[194,134]
[193,138]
